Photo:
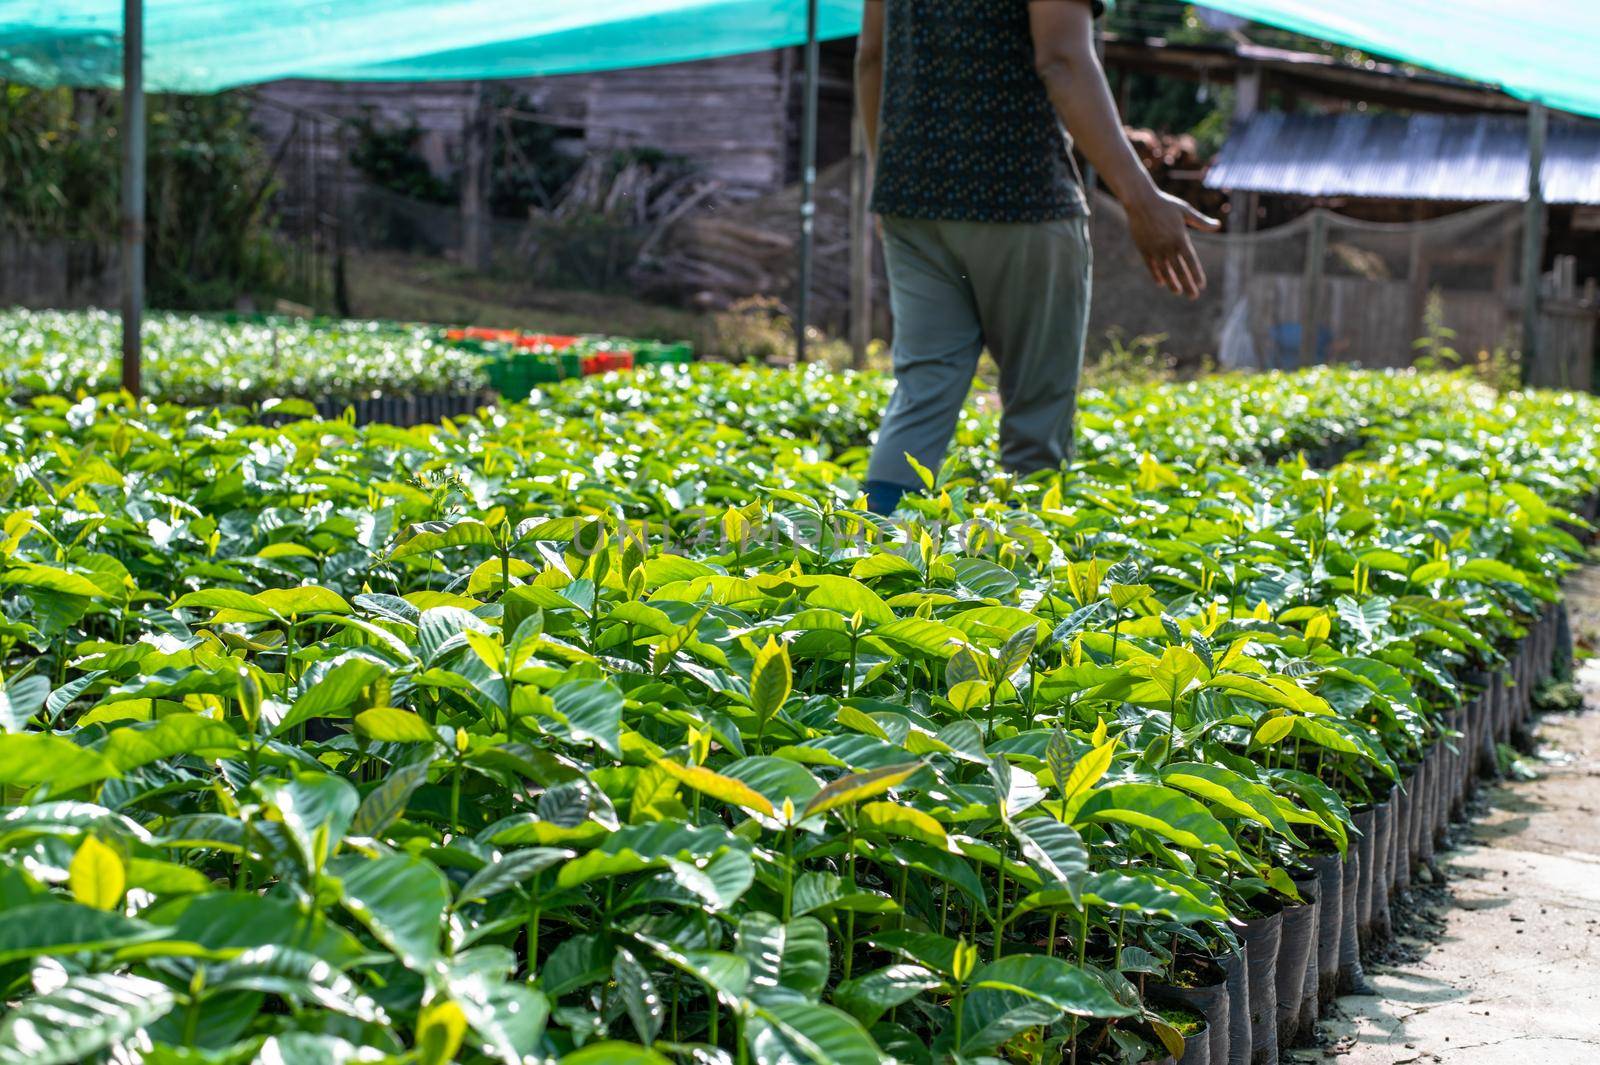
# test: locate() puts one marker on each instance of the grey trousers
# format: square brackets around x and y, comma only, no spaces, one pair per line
[956,288]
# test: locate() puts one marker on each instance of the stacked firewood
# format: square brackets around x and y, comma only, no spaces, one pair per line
[724,252]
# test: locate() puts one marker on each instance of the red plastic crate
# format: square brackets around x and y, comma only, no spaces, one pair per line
[606,361]
[552,341]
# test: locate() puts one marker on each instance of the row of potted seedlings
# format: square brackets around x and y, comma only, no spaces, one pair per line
[1290,964]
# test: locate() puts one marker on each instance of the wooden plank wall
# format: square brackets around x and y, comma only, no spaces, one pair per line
[57,273]
[727,114]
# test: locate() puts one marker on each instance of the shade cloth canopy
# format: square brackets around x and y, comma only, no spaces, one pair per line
[1536,49]
[203,46]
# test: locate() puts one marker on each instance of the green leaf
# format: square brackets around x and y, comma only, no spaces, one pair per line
[1162,810]
[770,680]
[228,921]
[843,594]
[400,899]
[317,809]
[54,927]
[513,869]
[307,599]
[802,1033]
[1054,849]
[294,974]
[922,636]
[386,803]
[722,788]
[1274,729]
[883,564]
[895,819]
[1367,619]
[82,1017]
[43,578]
[508,1017]
[30,758]
[20,700]
[1016,651]
[166,878]
[390,724]
[592,710]
[776,778]
[1230,791]
[1139,891]
[332,693]
[176,734]
[432,537]
[224,599]
[824,893]
[984,578]
[869,996]
[614,1052]
[1053,980]
[856,787]
[640,998]
[787,961]
[686,851]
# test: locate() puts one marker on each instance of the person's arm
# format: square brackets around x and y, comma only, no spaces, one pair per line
[1063,50]
[869,71]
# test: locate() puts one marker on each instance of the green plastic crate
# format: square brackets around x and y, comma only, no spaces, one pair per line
[655,353]
[515,377]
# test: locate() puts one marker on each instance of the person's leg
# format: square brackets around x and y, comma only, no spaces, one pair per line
[937,342]
[1032,288]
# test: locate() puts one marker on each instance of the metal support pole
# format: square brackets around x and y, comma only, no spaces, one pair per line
[475,183]
[860,247]
[1533,238]
[808,184]
[133,170]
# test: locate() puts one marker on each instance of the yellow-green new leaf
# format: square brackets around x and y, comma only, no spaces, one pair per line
[771,679]
[390,724]
[1274,729]
[97,875]
[858,786]
[441,1026]
[893,819]
[723,789]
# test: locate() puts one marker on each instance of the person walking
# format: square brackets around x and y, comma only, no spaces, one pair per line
[984,218]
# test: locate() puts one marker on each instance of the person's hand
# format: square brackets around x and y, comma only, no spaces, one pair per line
[1160,227]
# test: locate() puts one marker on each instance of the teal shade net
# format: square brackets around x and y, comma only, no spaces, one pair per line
[202,46]
[1546,50]
[1536,49]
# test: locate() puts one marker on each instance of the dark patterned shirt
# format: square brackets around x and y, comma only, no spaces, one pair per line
[966,131]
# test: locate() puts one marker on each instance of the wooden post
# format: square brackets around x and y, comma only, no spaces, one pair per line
[133,172]
[1416,293]
[860,246]
[1533,237]
[1311,290]
[1241,213]
[475,184]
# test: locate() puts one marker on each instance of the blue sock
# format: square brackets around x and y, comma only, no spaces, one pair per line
[884,496]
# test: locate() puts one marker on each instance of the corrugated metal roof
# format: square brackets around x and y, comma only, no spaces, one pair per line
[1416,157]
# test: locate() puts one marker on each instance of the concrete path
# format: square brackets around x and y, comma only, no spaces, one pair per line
[1506,969]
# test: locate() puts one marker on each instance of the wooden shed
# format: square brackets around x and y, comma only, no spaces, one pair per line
[736,117]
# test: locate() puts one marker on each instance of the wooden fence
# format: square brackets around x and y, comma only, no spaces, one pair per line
[57,273]
[1568,313]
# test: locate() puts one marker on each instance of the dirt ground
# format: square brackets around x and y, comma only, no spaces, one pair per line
[1501,964]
